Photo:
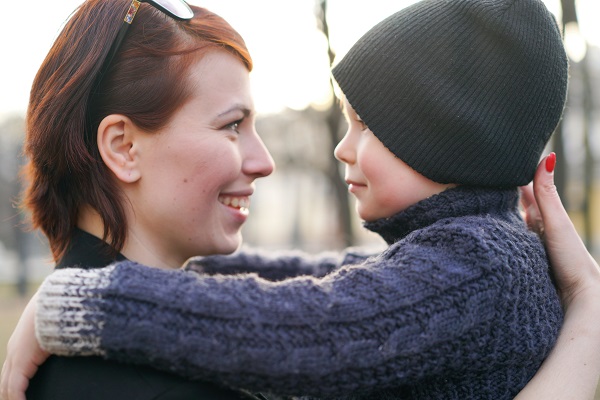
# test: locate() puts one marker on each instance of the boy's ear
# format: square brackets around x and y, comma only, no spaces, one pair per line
[116,143]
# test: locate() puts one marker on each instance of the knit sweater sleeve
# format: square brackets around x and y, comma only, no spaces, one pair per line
[276,266]
[394,318]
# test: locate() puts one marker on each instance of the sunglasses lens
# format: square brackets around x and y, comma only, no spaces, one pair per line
[177,8]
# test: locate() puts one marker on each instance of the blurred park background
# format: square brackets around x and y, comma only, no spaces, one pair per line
[305,203]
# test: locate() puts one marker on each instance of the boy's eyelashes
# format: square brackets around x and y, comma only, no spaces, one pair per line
[362,124]
[359,122]
[353,117]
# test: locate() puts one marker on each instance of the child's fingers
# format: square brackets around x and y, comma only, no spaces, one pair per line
[531,212]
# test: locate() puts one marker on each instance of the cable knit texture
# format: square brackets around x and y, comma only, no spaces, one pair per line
[459,306]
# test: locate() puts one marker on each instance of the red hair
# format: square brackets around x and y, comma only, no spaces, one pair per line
[147,82]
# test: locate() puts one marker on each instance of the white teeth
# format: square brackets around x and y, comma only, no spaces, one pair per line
[235,202]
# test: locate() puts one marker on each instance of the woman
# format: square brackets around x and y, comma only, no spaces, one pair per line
[148,153]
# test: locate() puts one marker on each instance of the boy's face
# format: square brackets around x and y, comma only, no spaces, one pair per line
[382,183]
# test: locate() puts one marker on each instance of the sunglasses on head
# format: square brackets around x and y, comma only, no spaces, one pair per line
[177,9]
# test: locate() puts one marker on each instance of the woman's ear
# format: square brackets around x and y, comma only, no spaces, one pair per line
[116,143]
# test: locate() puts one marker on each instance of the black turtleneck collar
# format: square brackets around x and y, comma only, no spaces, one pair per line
[87,251]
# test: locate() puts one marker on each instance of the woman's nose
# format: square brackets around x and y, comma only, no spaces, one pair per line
[258,162]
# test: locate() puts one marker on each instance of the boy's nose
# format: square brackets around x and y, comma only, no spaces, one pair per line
[343,151]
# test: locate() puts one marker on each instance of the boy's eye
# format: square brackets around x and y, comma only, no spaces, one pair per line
[362,124]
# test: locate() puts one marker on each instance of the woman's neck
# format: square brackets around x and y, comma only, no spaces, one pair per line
[136,246]
[89,220]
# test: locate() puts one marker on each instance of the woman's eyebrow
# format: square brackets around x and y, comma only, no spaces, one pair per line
[237,107]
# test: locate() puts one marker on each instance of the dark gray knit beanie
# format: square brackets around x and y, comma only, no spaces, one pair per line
[463,91]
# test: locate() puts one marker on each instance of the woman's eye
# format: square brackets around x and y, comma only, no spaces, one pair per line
[234,126]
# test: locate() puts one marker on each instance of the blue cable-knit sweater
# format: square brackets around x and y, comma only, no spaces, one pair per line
[459,306]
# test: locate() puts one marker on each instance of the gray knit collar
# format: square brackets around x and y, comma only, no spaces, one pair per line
[456,202]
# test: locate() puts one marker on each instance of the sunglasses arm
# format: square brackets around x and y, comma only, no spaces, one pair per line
[114,48]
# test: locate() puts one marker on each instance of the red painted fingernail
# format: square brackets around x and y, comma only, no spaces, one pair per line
[550,162]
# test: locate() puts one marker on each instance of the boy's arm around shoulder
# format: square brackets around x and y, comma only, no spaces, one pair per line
[276,266]
[306,335]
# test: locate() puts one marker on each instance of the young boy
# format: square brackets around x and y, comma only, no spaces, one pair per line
[450,105]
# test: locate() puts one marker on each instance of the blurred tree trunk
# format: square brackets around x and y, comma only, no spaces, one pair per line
[569,13]
[334,121]
[588,163]
[560,174]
